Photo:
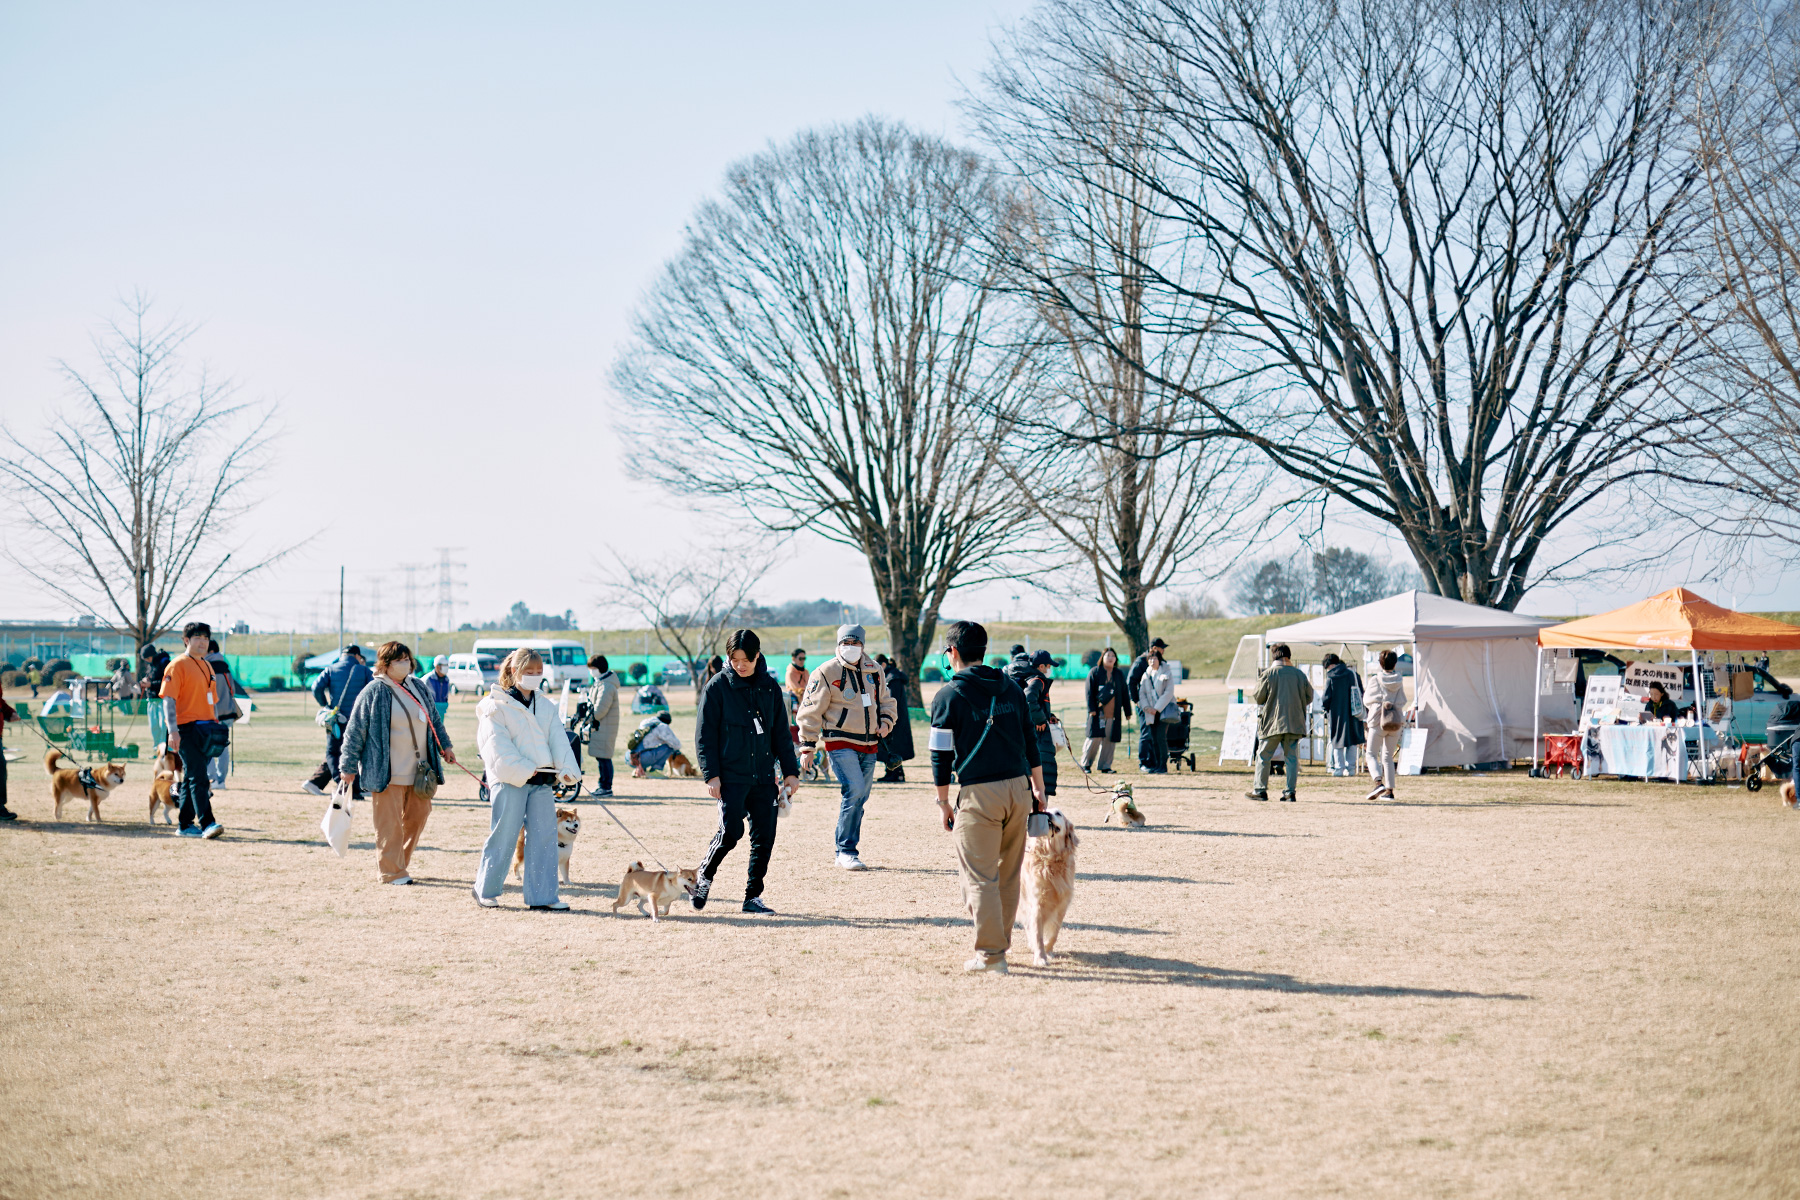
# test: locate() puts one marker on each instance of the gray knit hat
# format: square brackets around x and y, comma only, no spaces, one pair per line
[850,633]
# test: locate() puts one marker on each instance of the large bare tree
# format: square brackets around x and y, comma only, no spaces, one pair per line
[1747,112]
[830,352]
[131,505]
[1103,461]
[1429,234]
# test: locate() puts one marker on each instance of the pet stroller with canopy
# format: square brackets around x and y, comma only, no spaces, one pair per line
[1178,734]
[1783,729]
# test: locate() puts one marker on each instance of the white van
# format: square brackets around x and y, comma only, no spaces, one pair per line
[562,659]
[472,672]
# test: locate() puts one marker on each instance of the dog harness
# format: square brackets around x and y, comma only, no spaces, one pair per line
[85,777]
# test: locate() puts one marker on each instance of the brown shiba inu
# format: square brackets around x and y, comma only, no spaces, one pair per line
[81,783]
[661,888]
[568,824]
[162,787]
[681,768]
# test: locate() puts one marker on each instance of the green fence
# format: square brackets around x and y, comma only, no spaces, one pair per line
[251,670]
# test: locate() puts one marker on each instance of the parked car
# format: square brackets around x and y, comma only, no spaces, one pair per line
[563,660]
[676,675]
[1750,716]
[474,673]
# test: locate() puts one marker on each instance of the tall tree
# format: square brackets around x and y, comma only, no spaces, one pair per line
[1103,461]
[1429,233]
[131,505]
[691,601]
[832,339]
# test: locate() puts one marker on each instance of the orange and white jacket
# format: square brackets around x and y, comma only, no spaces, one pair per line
[851,707]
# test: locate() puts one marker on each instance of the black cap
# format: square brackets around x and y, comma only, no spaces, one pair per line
[1160,644]
[1042,659]
[355,649]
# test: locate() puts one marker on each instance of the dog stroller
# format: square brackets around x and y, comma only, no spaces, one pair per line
[1179,731]
[1783,730]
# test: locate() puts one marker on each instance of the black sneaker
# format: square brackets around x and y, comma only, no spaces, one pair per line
[755,905]
[1256,795]
[698,896]
[1288,797]
[893,777]
[7,814]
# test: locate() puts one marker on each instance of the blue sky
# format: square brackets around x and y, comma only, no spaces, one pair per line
[420,230]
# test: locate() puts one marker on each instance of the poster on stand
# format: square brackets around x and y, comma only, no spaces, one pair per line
[1239,742]
[1411,759]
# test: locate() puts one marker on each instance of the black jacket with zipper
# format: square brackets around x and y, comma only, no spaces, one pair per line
[959,716]
[726,741]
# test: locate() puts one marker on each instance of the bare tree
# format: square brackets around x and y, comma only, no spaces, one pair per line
[1103,462]
[691,601]
[1747,112]
[829,352]
[130,506]
[1428,234]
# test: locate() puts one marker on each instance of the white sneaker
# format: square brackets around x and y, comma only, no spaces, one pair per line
[850,862]
[982,962]
[400,882]
[315,789]
[485,901]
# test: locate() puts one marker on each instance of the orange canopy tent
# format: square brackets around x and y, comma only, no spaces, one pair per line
[1675,620]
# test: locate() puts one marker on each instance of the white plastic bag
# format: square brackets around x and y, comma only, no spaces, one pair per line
[335,824]
[1059,737]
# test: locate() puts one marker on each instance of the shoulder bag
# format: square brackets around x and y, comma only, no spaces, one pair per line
[424,781]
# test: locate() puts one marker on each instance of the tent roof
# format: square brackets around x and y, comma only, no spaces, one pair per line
[1411,617]
[1675,620]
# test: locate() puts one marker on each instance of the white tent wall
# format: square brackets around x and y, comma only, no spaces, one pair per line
[1475,699]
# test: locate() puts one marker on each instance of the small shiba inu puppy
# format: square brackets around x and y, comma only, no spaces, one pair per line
[81,783]
[1125,808]
[162,787]
[661,888]
[568,824]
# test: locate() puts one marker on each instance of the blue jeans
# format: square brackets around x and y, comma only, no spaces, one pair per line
[653,758]
[533,808]
[856,775]
[218,768]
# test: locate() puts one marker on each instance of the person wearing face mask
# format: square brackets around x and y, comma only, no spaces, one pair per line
[849,703]
[393,727]
[524,750]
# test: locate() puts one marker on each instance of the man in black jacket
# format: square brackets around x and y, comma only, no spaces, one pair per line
[1146,745]
[742,737]
[981,733]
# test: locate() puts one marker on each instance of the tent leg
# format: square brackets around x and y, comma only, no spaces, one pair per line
[1700,711]
[1537,700]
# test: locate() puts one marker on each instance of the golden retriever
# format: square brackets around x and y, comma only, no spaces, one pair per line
[1047,884]
[69,784]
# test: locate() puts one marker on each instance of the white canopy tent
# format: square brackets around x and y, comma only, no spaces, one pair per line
[1474,669]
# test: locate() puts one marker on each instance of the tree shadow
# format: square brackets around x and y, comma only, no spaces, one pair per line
[1193,832]
[1473,803]
[1117,966]
[1105,878]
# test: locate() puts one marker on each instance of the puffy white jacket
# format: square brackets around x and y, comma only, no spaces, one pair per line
[1156,690]
[516,743]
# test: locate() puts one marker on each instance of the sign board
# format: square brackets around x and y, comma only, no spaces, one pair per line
[1411,759]
[1239,742]
[1639,677]
[1602,702]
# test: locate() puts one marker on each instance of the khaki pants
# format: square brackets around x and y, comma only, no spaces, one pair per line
[399,818]
[990,846]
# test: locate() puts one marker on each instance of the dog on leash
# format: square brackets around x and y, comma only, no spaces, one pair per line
[162,787]
[1125,808]
[661,888]
[568,824]
[80,783]
[1046,885]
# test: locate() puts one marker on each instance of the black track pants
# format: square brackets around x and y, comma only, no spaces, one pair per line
[736,802]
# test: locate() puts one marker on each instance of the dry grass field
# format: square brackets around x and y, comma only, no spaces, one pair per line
[1495,987]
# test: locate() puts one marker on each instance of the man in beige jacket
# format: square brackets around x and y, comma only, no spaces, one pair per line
[848,702]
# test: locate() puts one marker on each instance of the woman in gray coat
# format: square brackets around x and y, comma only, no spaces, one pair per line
[603,723]
[393,727]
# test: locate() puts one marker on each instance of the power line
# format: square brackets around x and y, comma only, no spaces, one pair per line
[447,584]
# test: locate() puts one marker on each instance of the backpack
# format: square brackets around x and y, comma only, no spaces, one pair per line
[637,738]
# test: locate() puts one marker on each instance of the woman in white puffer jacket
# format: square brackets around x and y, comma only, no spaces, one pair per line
[524,749]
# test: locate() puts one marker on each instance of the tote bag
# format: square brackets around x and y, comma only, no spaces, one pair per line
[335,824]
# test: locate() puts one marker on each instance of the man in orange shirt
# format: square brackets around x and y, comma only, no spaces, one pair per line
[188,697]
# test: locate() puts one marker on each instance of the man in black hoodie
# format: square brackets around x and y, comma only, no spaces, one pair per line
[981,733]
[1146,745]
[742,736]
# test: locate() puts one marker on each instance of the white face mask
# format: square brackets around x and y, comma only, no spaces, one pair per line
[850,653]
[529,683]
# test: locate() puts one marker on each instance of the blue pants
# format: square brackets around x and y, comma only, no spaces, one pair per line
[219,768]
[653,758]
[606,773]
[856,775]
[534,809]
